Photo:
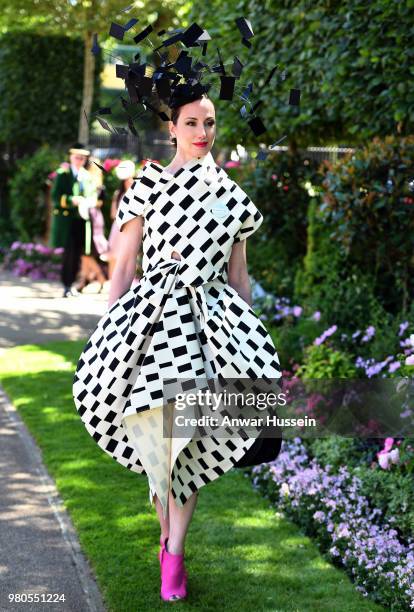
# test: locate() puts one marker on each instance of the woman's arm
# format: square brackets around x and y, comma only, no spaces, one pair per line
[238,277]
[126,261]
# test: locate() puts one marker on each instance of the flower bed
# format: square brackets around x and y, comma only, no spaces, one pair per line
[331,508]
[36,261]
[309,481]
[306,330]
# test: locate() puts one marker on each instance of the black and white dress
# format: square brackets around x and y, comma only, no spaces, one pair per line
[181,320]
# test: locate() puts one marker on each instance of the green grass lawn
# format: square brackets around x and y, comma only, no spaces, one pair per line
[240,553]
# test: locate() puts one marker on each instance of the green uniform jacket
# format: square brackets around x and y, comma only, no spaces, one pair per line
[65,186]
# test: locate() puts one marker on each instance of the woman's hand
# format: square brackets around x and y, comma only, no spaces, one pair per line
[126,261]
[238,277]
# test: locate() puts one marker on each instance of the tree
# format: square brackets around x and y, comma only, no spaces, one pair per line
[82,18]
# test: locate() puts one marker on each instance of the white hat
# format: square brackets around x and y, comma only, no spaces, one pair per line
[125,169]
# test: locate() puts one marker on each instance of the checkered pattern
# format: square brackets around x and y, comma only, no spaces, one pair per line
[182,320]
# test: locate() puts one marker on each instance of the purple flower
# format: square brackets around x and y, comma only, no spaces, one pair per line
[369,333]
[403,327]
[367,546]
[297,311]
[316,315]
[35,274]
[394,365]
[328,332]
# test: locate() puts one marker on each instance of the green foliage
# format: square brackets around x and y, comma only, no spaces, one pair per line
[41,79]
[369,208]
[322,361]
[279,188]
[336,451]
[392,491]
[27,192]
[77,17]
[8,234]
[345,296]
[359,265]
[352,61]
[292,337]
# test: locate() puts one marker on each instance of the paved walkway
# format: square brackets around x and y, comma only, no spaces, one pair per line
[39,550]
[36,312]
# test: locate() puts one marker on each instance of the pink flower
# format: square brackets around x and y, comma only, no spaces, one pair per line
[232,164]
[409,360]
[110,163]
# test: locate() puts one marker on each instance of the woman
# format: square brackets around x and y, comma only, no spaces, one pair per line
[189,316]
[95,241]
[125,171]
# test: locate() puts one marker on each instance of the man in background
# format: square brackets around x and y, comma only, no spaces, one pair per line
[68,226]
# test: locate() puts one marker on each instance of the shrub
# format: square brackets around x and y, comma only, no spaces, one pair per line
[34,260]
[279,188]
[369,208]
[322,361]
[46,108]
[27,193]
[330,282]
[392,492]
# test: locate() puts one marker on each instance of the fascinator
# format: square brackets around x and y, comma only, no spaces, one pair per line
[172,76]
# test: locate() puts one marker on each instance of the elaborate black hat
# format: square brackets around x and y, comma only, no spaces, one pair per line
[169,84]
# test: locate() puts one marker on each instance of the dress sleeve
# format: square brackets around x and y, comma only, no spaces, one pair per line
[251,219]
[136,199]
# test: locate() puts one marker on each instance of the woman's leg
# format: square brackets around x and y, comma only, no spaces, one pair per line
[164,522]
[179,521]
[175,526]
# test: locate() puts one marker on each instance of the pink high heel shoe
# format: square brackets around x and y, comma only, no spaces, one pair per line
[173,575]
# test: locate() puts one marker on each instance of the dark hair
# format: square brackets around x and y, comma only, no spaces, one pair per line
[175,113]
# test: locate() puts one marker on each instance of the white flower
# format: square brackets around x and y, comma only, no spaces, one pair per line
[384,460]
[343,532]
[412,339]
[284,489]
[394,455]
